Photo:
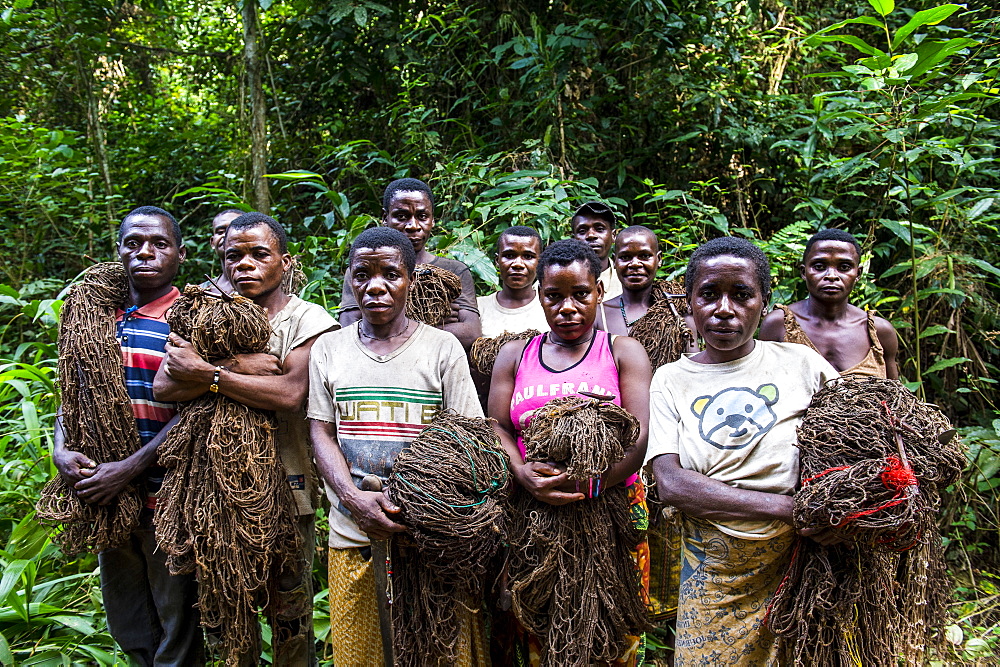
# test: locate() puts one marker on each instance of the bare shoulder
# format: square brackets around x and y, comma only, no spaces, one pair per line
[885,329]
[773,326]
[629,350]
[510,353]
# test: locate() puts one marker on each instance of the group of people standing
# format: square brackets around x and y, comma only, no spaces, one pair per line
[717,427]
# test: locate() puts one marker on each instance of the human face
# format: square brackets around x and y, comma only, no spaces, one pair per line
[149,252]
[595,232]
[570,297]
[219,226]
[412,214]
[727,305]
[636,260]
[381,281]
[517,260]
[830,270]
[254,263]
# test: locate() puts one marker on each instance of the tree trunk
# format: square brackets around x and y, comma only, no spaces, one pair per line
[258,121]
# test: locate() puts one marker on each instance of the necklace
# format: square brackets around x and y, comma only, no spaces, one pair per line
[579,342]
[628,325]
[395,335]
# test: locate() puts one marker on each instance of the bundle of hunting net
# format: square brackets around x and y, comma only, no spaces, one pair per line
[431,293]
[225,511]
[573,579]
[662,330]
[294,278]
[485,350]
[97,417]
[452,484]
[874,462]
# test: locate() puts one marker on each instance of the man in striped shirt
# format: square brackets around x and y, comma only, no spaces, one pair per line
[150,612]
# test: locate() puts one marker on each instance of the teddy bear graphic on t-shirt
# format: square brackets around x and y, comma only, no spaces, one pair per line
[736,417]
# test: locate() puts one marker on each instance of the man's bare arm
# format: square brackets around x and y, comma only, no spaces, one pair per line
[465,325]
[185,375]
[101,484]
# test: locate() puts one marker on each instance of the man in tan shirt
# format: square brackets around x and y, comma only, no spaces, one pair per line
[256,258]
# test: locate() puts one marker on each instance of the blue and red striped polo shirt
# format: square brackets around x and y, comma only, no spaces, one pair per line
[142,334]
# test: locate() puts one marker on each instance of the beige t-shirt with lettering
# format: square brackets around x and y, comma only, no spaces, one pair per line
[735,422]
[380,403]
[295,324]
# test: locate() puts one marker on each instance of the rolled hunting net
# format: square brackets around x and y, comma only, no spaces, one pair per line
[225,510]
[431,294]
[451,483]
[573,579]
[485,350]
[662,330]
[874,463]
[97,417]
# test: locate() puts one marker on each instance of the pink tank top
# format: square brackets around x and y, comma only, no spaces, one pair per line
[535,384]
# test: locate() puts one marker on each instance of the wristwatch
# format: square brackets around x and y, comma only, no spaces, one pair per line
[214,387]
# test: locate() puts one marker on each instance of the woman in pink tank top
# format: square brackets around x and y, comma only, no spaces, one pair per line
[573,357]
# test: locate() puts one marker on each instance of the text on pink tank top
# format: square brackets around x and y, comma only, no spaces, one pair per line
[535,384]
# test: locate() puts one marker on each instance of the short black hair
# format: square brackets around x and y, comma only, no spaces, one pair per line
[255,219]
[152,210]
[596,209]
[831,235]
[237,211]
[405,185]
[633,229]
[730,246]
[567,251]
[385,237]
[518,230]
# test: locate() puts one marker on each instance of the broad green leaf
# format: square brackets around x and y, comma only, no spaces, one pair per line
[883,7]
[935,330]
[947,363]
[932,52]
[905,62]
[11,576]
[296,175]
[858,43]
[982,264]
[6,657]
[926,17]
[75,623]
[980,207]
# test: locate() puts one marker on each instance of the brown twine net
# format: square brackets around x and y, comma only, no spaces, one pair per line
[452,484]
[485,350]
[225,510]
[573,579]
[97,414]
[294,278]
[662,330]
[431,294]
[874,462]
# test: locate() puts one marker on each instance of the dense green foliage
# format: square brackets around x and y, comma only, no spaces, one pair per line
[765,118]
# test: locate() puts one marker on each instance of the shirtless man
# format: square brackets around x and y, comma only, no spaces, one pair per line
[636,260]
[855,342]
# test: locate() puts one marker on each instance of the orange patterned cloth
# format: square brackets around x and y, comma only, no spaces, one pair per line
[355,635]
[354,632]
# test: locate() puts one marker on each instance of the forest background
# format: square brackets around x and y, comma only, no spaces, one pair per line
[763,118]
